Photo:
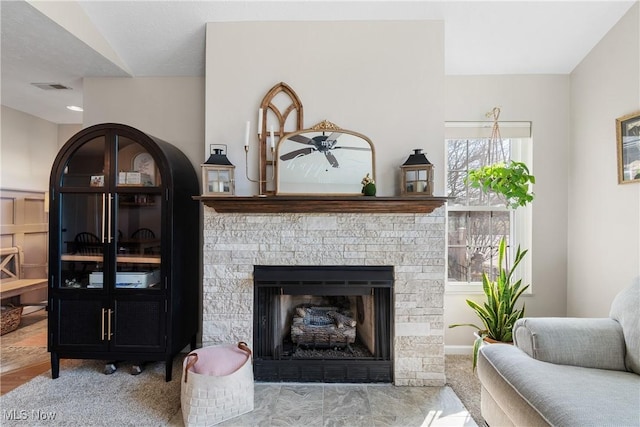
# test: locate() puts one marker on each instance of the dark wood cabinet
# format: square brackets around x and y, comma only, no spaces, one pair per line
[123,248]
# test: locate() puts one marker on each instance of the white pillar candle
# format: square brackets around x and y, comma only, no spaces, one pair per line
[246,134]
[259,122]
[273,141]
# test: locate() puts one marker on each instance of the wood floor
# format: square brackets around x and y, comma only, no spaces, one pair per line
[23,352]
[17,377]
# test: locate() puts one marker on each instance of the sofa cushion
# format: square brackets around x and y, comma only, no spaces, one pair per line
[570,341]
[562,395]
[626,310]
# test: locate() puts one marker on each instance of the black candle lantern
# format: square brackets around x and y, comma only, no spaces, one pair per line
[217,174]
[417,175]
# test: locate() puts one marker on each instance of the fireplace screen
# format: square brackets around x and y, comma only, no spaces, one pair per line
[323,324]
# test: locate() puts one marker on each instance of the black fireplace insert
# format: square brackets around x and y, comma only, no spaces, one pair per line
[323,324]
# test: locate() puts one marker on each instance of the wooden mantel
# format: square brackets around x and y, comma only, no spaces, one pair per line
[322,204]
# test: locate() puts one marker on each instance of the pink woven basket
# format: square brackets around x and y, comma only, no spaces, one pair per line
[217,384]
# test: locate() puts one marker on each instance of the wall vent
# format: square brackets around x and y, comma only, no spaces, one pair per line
[51,86]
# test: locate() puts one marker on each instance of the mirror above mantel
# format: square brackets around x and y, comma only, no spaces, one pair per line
[324,159]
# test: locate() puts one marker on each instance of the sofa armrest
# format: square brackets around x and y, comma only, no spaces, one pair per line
[586,342]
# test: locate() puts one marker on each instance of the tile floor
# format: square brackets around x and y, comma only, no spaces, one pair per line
[325,405]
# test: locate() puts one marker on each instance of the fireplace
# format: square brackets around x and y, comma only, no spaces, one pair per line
[242,233]
[323,323]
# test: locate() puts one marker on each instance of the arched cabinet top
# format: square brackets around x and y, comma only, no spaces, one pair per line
[112,155]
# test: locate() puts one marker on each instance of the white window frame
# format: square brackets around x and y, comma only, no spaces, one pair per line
[521,224]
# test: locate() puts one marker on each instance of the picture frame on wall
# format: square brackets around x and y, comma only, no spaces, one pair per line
[628,143]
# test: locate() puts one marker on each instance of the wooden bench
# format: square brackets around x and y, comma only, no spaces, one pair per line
[12,283]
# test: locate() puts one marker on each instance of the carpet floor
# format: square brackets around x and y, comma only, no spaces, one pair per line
[83,396]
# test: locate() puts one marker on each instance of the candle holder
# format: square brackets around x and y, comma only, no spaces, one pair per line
[259,181]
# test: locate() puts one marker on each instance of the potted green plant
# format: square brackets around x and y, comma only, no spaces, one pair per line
[499,311]
[510,180]
[368,186]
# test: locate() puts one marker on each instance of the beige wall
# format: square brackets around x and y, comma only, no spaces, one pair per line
[65,132]
[586,227]
[24,223]
[169,108]
[382,79]
[604,217]
[28,146]
[543,100]
[380,84]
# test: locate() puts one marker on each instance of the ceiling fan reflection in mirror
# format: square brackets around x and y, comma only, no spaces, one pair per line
[320,144]
[323,159]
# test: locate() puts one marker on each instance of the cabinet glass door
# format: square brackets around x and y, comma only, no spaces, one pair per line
[139,208]
[135,165]
[86,167]
[138,240]
[82,240]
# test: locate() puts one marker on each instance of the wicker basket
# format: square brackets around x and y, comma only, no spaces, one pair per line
[217,384]
[9,318]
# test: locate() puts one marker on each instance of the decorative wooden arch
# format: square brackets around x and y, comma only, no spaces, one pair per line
[279,129]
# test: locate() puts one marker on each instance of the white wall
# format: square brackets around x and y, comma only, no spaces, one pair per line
[379,84]
[169,108]
[28,146]
[543,100]
[604,217]
[382,79]
[66,131]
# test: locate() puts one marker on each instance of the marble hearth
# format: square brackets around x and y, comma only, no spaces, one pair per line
[413,242]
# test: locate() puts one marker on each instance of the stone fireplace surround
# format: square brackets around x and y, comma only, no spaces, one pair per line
[237,239]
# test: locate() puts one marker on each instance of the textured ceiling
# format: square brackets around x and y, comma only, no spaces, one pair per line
[62,42]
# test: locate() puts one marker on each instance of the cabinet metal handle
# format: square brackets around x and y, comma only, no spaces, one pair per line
[109,334]
[109,222]
[103,216]
[102,325]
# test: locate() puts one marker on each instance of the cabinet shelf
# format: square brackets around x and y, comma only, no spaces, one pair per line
[137,205]
[127,258]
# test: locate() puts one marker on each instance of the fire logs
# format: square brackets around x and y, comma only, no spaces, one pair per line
[311,327]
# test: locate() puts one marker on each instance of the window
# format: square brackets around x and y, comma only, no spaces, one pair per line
[478,221]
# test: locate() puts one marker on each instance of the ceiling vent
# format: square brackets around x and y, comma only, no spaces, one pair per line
[50,86]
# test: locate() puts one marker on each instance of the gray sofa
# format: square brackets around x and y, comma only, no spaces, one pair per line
[566,371]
